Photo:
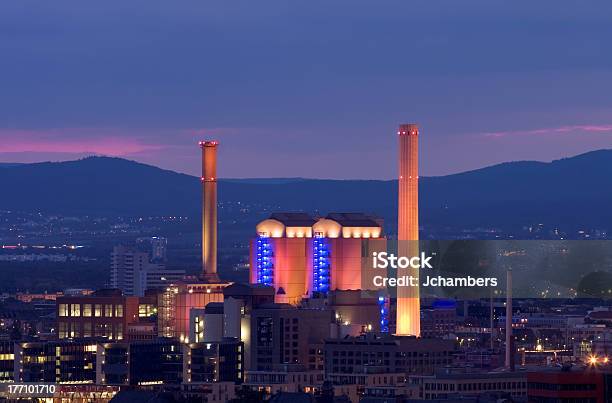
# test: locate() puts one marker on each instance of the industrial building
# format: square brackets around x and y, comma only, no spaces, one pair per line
[178,300]
[302,257]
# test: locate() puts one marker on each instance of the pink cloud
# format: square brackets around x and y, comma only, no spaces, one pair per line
[552,131]
[113,142]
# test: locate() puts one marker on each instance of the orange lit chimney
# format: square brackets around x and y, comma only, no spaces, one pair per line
[408,303]
[209,210]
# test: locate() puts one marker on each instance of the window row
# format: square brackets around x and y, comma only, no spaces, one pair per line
[88,310]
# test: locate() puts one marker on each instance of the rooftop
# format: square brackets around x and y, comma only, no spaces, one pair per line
[294,219]
[353,219]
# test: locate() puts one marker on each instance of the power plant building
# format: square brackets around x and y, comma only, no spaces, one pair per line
[302,257]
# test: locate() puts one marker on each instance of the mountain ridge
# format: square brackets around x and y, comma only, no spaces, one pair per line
[571,190]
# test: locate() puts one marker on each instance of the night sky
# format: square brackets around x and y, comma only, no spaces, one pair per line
[305,88]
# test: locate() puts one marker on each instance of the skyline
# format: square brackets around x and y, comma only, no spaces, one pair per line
[273,82]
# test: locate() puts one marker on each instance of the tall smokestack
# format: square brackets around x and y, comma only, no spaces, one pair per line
[209,210]
[408,321]
[509,341]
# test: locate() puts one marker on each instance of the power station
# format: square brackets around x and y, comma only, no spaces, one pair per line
[303,257]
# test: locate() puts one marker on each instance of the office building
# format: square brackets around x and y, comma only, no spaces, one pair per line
[282,334]
[220,361]
[439,320]
[155,246]
[145,363]
[7,361]
[104,314]
[569,384]
[386,353]
[447,384]
[134,273]
[176,303]
[66,362]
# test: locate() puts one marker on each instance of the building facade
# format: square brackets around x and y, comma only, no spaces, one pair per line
[302,257]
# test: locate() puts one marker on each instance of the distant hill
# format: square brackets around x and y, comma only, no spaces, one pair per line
[574,191]
[9,164]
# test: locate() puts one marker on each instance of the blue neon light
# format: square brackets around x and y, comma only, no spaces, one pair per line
[384,314]
[265,261]
[321,265]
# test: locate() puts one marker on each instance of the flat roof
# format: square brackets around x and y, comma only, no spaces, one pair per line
[294,219]
[353,219]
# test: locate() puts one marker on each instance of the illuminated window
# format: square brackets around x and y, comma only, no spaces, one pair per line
[86,309]
[63,310]
[62,330]
[119,311]
[98,310]
[74,330]
[146,310]
[75,310]
[87,329]
[119,333]
[108,310]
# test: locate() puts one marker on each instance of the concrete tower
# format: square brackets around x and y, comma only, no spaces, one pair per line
[408,303]
[209,210]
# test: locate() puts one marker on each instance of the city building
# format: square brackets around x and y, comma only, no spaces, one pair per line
[104,314]
[220,361]
[386,353]
[290,378]
[359,311]
[7,361]
[145,363]
[439,320]
[282,334]
[176,303]
[156,247]
[374,385]
[569,384]
[133,272]
[65,362]
[302,257]
[448,383]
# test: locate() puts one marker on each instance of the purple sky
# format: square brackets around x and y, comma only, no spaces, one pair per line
[305,88]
